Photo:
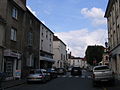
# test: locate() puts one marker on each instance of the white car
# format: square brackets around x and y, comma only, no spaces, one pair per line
[36,75]
[102,73]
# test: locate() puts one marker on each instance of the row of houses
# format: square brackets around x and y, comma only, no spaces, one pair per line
[76,61]
[25,42]
[113,22]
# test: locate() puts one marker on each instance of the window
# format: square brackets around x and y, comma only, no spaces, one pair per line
[30,22]
[41,44]
[14,13]
[13,34]
[50,37]
[50,47]
[30,38]
[46,34]
[42,32]
[101,68]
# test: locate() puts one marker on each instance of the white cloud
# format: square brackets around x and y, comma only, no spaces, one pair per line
[95,14]
[77,41]
[47,12]
[33,12]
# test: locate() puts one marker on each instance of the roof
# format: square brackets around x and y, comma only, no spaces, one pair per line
[20,4]
[109,6]
[55,38]
[38,20]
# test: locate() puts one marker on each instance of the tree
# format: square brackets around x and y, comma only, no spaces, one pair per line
[94,54]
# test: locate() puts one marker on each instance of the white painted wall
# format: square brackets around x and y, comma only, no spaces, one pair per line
[59,51]
[46,39]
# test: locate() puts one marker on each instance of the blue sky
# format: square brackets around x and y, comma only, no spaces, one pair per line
[78,23]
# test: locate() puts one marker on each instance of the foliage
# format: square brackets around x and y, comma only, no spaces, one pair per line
[94,54]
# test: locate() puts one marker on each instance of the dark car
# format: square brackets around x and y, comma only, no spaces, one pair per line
[53,73]
[76,71]
[47,74]
[61,71]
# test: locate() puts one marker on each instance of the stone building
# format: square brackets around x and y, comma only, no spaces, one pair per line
[46,47]
[2,39]
[12,11]
[113,19]
[25,42]
[60,54]
[30,42]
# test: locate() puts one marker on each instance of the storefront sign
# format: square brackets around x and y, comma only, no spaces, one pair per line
[18,74]
[11,54]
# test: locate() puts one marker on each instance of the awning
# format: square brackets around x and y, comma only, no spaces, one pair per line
[47,59]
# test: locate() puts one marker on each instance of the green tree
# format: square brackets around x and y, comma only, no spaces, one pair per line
[94,54]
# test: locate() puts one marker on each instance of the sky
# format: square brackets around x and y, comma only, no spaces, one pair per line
[78,23]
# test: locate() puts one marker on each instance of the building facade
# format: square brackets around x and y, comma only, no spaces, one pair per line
[30,43]
[105,59]
[113,19]
[76,61]
[2,39]
[12,11]
[60,54]
[46,47]
[25,42]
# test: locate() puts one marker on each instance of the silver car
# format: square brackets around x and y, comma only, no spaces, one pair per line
[36,75]
[102,74]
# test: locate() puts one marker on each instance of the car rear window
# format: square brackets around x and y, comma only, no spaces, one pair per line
[78,68]
[101,68]
[35,72]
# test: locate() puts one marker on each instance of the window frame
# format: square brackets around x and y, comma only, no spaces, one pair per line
[13,34]
[15,12]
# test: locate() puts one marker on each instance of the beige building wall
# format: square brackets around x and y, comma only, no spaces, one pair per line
[59,51]
[46,39]
[113,18]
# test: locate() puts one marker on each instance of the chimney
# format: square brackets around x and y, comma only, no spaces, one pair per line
[24,2]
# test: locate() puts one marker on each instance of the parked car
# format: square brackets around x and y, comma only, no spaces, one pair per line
[76,71]
[36,75]
[102,73]
[69,69]
[53,73]
[47,74]
[61,71]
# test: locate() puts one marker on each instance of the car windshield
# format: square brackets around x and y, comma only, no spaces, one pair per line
[76,68]
[102,68]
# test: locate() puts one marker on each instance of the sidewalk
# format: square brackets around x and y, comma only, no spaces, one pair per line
[11,83]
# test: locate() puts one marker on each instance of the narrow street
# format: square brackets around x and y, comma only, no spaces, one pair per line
[67,82]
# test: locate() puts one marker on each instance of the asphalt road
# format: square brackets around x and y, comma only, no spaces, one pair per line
[67,82]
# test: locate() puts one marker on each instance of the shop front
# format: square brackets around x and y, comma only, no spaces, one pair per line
[46,62]
[12,64]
